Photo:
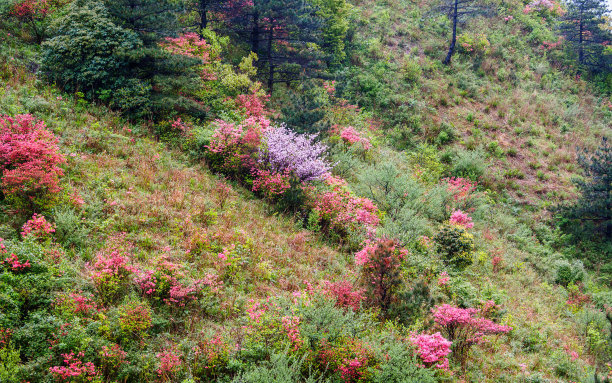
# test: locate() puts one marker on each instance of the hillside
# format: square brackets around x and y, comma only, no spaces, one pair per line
[199,233]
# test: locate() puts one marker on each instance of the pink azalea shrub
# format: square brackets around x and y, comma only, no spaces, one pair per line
[342,211]
[432,349]
[210,357]
[11,261]
[461,189]
[74,370]
[169,364]
[462,219]
[234,148]
[191,45]
[113,358]
[380,272]
[291,327]
[344,294]
[29,161]
[111,270]
[76,304]
[271,185]
[38,227]
[166,284]
[350,136]
[465,328]
[443,279]
[545,5]
[253,104]
[352,358]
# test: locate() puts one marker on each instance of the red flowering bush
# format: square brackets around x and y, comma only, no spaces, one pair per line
[75,370]
[38,227]
[234,147]
[111,270]
[344,294]
[76,304]
[460,218]
[210,358]
[29,161]
[134,319]
[291,327]
[113,358]
[380,271]
[271,184]
[191,45]
[465,327]
[169,364]
[253,104]
[351,137]
[352,358]
[164,284]
[432,349]
[10,261]
[34,13]
[343,212]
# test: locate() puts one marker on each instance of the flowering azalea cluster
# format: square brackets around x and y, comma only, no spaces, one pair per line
[461,189]
[291,326]
[32,9]
[342,210]
[111,270]
[135,318]
[209,356]
[460,218]
[112,358]
[76,303]
[350,136]
[38,227]
[551,6]
[253,104]
[169,364]
[164,284]
[432,349]
[465,327]
[74,369]
[271,184]
[11,261]
[344,294]
[351,358]
[549,46]
[191,45]
[29,159]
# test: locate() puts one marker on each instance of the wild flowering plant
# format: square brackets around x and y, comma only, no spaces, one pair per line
[432,349]
[380,271]
[342,211]
[76,304]
[345,294]
[284,150]
[271,185]
[291,327]
[29,161]
[351,136]
[465,328]
[551,6]
[38,227]
[461,219]
[166,283]
[11,261]
[111,269]
[75,370]
[113,358]
[169,364]
[191,45]
[210,357]
[352,358]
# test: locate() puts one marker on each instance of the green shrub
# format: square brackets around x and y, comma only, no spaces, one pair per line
[69,228]
[455,245]
[469,164]
[567,272]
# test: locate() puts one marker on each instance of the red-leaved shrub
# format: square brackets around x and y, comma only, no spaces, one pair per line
[29,162]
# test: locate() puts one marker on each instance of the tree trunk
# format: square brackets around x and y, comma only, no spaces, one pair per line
[451,49]
[255,34]
[203,16]
[270,63]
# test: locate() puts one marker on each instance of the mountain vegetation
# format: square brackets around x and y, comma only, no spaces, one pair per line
[303,191]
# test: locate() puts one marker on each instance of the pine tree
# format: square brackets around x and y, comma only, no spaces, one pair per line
[595,204]
[285,34]
[581,28]
[458,12]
